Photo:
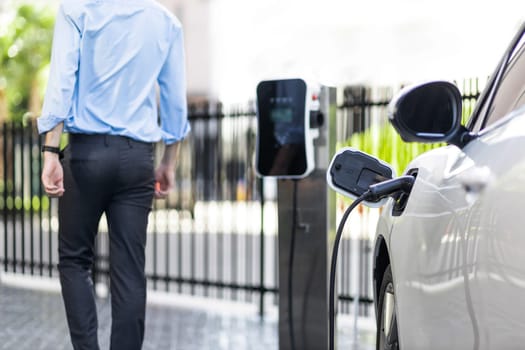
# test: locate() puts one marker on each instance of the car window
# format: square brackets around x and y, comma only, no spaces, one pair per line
[511,92]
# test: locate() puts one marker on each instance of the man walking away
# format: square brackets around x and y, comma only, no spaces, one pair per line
[108,58]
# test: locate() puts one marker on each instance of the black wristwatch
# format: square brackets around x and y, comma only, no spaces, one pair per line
[52,149]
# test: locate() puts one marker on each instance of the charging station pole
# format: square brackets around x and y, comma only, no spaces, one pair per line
[314,233]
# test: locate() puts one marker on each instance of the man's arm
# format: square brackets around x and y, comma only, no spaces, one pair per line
[165,173]
[64,64]
[52,172]
[173,112]
[172,83]
[59,97]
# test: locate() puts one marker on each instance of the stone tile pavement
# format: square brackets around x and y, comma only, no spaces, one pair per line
[34,320]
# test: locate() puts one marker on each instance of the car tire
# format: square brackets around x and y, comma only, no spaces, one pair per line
[387,336]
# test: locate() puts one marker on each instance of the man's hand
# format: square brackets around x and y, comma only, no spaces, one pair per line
[165,173]
[52,172]
[165,180]
[53,175]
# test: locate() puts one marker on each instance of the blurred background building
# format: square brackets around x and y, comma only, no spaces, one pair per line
[232,44]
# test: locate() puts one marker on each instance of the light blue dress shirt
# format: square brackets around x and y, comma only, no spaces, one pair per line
[108,57]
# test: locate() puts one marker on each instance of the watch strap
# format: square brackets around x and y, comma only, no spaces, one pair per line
[52,149]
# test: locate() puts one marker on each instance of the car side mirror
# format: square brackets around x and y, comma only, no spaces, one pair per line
[429,112]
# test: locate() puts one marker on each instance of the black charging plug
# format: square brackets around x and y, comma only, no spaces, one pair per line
[352,172]
[383,189]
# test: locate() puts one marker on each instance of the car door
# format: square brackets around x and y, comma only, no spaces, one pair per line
[458,268]
[428,257]
[494,225]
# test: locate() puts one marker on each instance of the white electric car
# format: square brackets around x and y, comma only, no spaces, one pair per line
[449,266]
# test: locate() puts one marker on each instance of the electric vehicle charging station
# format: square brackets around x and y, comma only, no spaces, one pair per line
[288,117]
[294,144]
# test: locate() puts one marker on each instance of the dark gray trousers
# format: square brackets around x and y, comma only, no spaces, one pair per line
[112,175]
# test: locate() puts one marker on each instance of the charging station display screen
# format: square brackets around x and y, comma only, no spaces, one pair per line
[282,115]
[281,126]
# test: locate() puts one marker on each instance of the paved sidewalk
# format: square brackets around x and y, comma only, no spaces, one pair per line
[34,320]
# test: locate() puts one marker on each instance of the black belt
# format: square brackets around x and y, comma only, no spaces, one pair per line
[106,139]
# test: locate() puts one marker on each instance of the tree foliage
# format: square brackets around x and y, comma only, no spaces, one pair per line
[25,49]
[385,143]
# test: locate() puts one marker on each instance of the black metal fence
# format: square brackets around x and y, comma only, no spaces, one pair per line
[216,235]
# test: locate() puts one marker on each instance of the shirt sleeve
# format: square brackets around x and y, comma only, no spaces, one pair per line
[65,55]
[172,82]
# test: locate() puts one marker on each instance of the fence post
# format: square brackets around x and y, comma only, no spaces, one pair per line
[262,288]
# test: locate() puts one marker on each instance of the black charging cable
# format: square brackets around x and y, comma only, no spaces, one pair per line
[290,266]
[333,266]
[374,193]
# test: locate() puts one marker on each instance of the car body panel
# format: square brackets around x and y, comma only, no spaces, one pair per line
[455,252]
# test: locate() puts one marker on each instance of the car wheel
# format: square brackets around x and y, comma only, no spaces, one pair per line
[386,319]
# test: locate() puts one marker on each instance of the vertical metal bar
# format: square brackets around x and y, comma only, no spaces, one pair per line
[192,260]
[276,266]
[346,272]
[173,232]
[197,168]
[356,298]
[364,265]
[220,162]
[181,204]
[179,255]
[364,109]
[206,262]
[249,233]
[339,278]
[364,279]
[13,174]
[205,241]
[169,206]
[40,215]
[212,118]
[359,274]
[233,234]
[220,166]
[50,237]
[209,175]
[350,255]
[248,241]
[197,176]
[155,245]
[225,121]
[5,195]
[246,235]
[220,261]
[22,195]
[207,152]
[367,274]
[262,252]
[33,175]
[342,277]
